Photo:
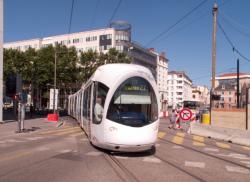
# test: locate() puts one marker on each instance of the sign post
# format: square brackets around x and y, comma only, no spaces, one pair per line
[53,99]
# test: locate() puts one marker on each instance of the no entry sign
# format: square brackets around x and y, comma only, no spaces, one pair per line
[186,114]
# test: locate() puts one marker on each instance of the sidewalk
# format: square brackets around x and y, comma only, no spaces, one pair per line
[236,136]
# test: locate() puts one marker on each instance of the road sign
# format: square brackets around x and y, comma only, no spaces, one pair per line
[186,114]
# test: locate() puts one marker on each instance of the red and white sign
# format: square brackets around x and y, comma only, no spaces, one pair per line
[186,114]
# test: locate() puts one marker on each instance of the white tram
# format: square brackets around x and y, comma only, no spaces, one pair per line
[118,108]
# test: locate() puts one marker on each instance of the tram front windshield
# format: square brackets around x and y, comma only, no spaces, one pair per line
[134,103]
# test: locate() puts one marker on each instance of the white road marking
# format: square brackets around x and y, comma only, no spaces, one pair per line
[237,170]
[195,164]
[246,162]
[13,141]
[151,159]
[236,156]
[42,148]
[94,153]
[84,139]
[34,138]
[211,149]
[121,157]
[65,151]
[157,145]
[177,147]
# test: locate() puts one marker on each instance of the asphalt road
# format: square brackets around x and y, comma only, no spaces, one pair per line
[64,154]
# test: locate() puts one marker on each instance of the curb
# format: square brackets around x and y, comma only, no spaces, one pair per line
[237,136]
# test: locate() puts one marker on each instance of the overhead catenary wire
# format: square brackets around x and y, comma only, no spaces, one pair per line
[71,15]
[231,43]
[95,13]
[115,11]
[176,23]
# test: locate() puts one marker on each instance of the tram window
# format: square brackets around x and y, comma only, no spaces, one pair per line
[134,103]
[88,102]
[99,95]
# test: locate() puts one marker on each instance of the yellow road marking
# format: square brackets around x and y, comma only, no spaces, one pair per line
[200,144]
[77,134]
[180,134]
[246,147]
[178,140]
[58,130]
[68,132]
[198,138]
[223,145]
[15,156]
[161,134]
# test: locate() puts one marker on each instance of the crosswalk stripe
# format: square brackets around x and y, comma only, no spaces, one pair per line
[180,134]
[223,145]
[178,140]
[161,134]
[200,144]
[198,138]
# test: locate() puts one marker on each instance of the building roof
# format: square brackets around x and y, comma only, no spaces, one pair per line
[233,74]
[180,72]
[225,87]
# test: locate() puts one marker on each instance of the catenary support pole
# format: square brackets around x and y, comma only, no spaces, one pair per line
[1,60]
[238,84]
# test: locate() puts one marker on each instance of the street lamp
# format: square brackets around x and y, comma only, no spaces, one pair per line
[54,97]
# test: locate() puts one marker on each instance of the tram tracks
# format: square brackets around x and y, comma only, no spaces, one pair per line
[211,144]
[121,170]
[214,156]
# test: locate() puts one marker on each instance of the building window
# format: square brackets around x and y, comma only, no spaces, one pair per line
[179,81]
[222,93]
[75,41]
[179,76]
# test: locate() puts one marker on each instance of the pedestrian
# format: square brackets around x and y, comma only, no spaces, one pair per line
[172,119]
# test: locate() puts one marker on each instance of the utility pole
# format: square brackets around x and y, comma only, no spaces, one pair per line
[238,84]
[215,11]
[1,60]
[54,99]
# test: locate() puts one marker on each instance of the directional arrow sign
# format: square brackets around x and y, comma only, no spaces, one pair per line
[186,114]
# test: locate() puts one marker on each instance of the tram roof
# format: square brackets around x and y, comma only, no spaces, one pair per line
[109,73]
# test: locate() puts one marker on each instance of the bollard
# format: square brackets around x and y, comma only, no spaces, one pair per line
[22,116]
[19,118]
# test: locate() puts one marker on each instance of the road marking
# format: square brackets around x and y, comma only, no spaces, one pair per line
[199,144]
[237,169]
[195,164]
[198,138]
[77,134]
[84,139]
[161,134]
[211,149]
[180,134]
[223,145]
[121,157]
[67,132]
[246,147]
[157,145]
[236,156]
[177,147]
[65,151]
[15,156]
[42,148]
[34,138]
[13,141]
[57,130]
[93,153]
[177,140]
[246,162]
[151,160]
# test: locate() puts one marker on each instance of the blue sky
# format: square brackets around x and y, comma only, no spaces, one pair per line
[188,46]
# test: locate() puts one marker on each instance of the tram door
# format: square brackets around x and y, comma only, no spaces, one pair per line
[99,93]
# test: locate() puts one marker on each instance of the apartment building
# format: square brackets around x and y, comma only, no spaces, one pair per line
[179,88]
[117,36]
[201,94]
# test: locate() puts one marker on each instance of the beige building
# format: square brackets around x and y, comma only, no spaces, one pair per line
[201,94]
[179,88]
